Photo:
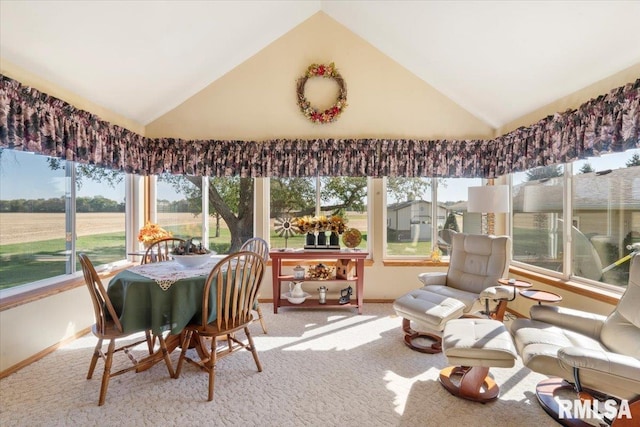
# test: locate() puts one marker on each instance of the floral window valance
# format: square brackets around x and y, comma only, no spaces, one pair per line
[36,122]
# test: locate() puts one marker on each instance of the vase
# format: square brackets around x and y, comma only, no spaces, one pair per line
[334,239]
[311,239]
[322,239]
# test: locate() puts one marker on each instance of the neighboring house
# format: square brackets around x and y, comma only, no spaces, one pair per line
[412,219]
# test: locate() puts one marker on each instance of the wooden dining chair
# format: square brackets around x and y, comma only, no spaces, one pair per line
[108,327]
[236,279]
[261,247]
[161,250]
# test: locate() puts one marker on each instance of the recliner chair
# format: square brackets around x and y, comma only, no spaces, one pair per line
[476,264]
[592,354]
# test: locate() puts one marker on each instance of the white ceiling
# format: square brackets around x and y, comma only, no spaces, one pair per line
[498,59]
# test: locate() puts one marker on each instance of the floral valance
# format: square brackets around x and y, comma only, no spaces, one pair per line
[36,122]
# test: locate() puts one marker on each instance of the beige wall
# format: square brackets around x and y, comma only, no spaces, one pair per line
[43,85]
[575,99]
[257,100]
[28,329]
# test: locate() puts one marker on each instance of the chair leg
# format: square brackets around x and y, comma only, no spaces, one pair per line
[211,367]
[261,318]
[183,353]
[165,354]
[151,340]
[253,350]
[411,335]
[106,376]
[94,359]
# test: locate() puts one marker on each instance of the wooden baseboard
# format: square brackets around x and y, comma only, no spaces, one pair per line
[515,313]
[43,353]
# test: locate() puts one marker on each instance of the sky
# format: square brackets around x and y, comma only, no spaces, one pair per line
[27,176]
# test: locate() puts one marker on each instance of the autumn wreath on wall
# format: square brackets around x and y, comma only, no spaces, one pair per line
[332,113]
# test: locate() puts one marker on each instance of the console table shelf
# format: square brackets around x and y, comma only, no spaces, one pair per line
[277,258]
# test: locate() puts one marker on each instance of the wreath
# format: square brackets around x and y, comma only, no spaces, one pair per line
[330,114]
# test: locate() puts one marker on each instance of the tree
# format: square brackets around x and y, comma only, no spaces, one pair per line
[451,223]
[407,188]
[291,196]
[633,161]
[587,168]
[544,172]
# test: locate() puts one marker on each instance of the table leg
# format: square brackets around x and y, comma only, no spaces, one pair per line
[360,283]
[275,275]
[172,342]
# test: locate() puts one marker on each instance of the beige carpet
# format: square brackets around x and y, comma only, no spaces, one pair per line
[321,368]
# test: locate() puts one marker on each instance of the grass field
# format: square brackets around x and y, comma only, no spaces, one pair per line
[33,246]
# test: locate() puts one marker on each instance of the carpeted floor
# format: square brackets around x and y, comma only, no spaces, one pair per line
[321,368]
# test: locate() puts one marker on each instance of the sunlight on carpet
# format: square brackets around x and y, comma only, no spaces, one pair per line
[321,367]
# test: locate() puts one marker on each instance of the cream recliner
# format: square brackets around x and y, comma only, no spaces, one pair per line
[586,350]
[476,264]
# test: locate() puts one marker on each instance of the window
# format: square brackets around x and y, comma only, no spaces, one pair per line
[228,201]
[537,217]
[33,214]
[413,220]
[410,216]
[606,216]
[179,205]
[295,197]
[231,212]
[51,209]
[100,214]
[452,209]
[603,220]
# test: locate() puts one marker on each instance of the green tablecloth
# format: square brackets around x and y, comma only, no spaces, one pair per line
[142,304]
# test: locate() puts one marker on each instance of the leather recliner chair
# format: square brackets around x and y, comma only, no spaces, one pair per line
[590,353]
[476,263]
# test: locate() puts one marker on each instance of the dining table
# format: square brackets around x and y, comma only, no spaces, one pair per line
[161,297]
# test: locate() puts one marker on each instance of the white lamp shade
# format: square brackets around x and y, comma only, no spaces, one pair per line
[488,199]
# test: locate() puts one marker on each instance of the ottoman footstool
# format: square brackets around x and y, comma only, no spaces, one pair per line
[431,312]
[475,345]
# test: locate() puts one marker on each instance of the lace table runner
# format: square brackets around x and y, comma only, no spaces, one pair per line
[167,273]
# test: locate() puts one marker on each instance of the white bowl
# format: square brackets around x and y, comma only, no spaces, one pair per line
[296,300]
[192,261]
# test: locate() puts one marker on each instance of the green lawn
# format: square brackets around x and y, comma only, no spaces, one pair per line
[28,262]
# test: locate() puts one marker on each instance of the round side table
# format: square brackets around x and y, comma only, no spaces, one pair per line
[541,296]
[502,304]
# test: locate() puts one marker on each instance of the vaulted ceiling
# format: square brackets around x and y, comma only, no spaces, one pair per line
[497,59]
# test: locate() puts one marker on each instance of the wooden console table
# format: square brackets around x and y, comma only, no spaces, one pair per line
[277,258]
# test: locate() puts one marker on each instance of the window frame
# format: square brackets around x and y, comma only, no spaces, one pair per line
[566,275]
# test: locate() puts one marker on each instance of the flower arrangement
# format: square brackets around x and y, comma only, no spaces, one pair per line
[337,224]
[330,114]
[320,272]
[152,232]
[309,224]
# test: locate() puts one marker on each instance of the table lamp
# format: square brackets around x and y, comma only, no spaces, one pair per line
[489,199]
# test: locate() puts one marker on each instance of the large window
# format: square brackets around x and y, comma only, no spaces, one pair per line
[179,205]
[295,197]
[601,215]
[452,210]
[537,217]
[100,214]
[606,216]
[414,222]
[50,210]
[228,202]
